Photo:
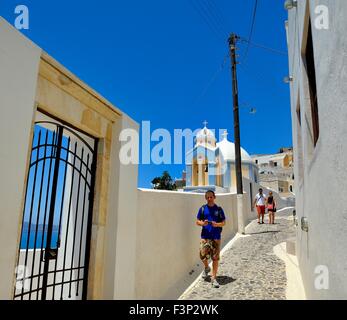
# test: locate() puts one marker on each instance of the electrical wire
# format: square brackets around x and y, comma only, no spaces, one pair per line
[251,30]
[217,16]
[256,76]
[283,53]
[207,19]
[212,79]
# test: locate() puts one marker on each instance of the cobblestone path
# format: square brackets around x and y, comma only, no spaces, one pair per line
[249,269]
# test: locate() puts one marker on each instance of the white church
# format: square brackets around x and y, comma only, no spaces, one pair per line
[210,165]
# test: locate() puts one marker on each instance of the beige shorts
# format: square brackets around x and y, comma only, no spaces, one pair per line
[209,249]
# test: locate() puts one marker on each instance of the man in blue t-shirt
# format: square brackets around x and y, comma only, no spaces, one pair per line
[211,218]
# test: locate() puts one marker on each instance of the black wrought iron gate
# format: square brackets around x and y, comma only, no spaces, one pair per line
[54,248]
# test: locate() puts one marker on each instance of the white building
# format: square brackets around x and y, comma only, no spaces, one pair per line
[211,164]
[317,52]
[276,171]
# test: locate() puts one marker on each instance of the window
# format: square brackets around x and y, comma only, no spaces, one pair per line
[311,75]
[275,164]
[256,161]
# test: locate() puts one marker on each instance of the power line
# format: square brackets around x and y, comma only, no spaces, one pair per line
[260,79]
[264,47]
[205,16]
[204,7]
[220,14]
[215,13]
[212,79]
[251,30]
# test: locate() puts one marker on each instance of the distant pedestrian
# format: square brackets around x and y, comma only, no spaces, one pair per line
[211,218]
[259,203]
[271,208]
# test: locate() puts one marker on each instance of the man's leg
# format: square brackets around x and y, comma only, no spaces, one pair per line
[215,259]
[214,268]
[262,213]
[258,212]
[204,256]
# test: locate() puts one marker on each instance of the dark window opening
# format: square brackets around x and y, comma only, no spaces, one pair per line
[298,113]
[311,75]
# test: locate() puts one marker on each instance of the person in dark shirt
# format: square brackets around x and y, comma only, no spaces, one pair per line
[211,218]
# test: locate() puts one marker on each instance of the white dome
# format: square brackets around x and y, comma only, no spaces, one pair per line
[227,150]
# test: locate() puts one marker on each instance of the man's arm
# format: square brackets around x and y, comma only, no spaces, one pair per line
[201,223]
[218,224]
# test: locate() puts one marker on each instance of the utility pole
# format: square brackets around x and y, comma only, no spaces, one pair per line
[232,47]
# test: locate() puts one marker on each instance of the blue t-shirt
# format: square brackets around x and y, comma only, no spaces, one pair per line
[216,214]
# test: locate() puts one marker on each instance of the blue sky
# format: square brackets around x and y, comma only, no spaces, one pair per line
[155,60]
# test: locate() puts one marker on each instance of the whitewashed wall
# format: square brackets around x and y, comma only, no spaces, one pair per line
[167,239]
[19,60]
[167,247]
[320,171]
[121,226]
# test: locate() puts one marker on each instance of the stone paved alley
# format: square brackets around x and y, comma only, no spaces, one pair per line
[250,269]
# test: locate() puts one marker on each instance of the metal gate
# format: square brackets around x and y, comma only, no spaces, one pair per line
[54,249]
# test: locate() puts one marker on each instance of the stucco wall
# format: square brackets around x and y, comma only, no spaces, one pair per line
[167,245]
[168,240]
[19,60]
[320,174]
[120,251]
